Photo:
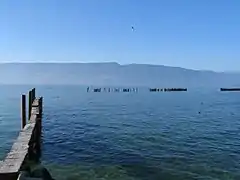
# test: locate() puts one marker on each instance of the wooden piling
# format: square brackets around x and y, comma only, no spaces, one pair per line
[40,114]
[33,94]
[23,110]
[29,104]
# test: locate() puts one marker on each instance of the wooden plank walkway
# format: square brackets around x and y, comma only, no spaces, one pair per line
[19,151]
[27,144]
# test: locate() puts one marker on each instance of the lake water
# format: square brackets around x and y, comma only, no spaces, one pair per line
[132,136]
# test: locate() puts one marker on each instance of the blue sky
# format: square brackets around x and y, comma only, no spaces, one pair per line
[198,34]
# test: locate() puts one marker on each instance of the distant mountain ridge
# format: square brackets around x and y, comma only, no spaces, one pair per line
[113,74]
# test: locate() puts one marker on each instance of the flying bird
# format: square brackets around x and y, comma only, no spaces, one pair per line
[133,28]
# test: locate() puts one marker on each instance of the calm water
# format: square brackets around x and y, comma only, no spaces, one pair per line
[132,136]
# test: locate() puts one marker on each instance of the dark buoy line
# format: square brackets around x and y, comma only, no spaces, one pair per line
[166,89]
[229,89]
[150,89]
[134,89]
[112,89]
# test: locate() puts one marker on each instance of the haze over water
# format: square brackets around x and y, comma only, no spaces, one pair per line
[137,136]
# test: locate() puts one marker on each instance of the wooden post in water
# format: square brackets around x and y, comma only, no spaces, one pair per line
[40,113]
[40,126]
[29,104]
[33,94]
[23,110]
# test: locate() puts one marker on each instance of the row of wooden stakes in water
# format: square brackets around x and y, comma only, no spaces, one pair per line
[150,89]
[185,89]
[133,89]
[167,89]
[112,90]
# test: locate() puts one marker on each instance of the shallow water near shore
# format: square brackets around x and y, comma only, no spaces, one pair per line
[131,136]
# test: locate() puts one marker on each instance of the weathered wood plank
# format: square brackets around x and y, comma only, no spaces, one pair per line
[33,118]
[19,150]
[35,102]
[35,110]
[18,153]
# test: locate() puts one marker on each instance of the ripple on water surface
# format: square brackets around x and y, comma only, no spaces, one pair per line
[152,136]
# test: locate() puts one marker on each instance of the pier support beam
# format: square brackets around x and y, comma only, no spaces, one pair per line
[23,108]
[29,104]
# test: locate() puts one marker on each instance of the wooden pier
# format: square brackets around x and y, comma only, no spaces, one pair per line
[26,150]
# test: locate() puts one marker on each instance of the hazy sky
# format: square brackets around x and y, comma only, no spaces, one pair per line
[199,34]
